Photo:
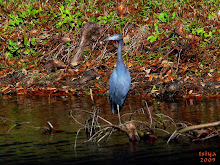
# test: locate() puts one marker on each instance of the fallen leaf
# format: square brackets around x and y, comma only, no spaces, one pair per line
[101,91]
[217,86]
[97,85]
[168,72]
[190,92]
[150,78]
[59,64]
[66,39]
[33,32]
[179,28]
[30,82]
[122,9]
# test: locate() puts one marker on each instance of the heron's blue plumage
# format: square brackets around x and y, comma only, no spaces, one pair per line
[120,79]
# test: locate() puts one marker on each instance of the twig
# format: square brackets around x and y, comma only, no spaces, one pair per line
[173,135]
[132,113]
[190,128]
[160,114]
[107,133]
[91,94]
[211,135]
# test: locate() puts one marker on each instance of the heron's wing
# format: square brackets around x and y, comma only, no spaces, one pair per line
[119,86]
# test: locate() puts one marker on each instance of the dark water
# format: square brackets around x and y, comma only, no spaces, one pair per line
[28,144]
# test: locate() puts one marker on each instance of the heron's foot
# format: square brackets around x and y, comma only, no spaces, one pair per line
[120,124]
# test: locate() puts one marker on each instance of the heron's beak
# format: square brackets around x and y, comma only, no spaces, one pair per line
[111,38]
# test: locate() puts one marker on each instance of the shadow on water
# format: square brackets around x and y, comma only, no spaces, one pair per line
[27,144]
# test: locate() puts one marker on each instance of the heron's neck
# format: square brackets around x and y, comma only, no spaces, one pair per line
[119,56]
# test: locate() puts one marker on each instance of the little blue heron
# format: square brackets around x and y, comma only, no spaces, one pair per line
[119,83]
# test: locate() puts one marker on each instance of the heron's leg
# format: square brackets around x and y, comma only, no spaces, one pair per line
[119,115]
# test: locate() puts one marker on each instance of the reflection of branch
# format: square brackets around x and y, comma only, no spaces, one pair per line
[70,113]
[53,129]
[76,138]
[17,124]
[98,116]
[211,135]
[21,123]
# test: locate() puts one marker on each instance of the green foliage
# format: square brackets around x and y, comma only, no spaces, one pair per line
[13,49]
[2,66]
[155,35]
[106,19]
[67,18]
[23,15]
[212,16]
[140,59]
[30,12]
[15,20]
[67,15]
[201,32]
[150,5]
[165,17]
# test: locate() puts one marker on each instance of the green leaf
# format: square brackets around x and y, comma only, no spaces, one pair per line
[161,17]
[67,11]
[201,30]
[208,35]
[212,16]
[66,19]
[156,28]
[174,16]
[11,22]
[59,24]
[33,41]
[152,38]
[92,19]
[9,55]
[26,52]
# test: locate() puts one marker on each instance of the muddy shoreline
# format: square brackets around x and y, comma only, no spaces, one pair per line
[69,81]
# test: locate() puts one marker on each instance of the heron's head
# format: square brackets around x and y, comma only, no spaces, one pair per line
[115,37]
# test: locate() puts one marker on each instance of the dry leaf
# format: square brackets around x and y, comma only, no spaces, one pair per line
[179,28]
[33,32]
[66,39]
[190,92]
[168,72]
[122,9]
[150,78]
[97,85]
[59,64]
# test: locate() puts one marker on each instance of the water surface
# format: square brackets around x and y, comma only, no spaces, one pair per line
[28,144]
